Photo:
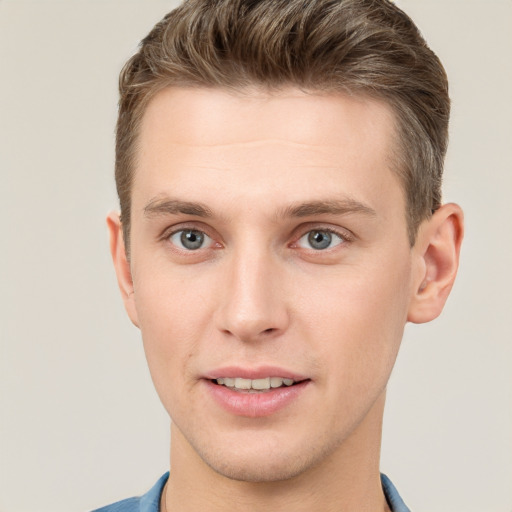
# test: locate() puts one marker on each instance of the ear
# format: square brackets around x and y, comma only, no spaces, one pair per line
[122,265]
[436,255]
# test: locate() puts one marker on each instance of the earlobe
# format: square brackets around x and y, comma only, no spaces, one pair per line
[436,254]
[122,265]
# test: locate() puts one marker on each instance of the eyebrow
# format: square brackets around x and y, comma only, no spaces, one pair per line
[157,207]
[345,206]
[331,207]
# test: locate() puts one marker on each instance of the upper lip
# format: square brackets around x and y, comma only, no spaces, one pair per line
[259,372]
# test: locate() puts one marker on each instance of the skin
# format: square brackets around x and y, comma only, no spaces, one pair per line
[257,293]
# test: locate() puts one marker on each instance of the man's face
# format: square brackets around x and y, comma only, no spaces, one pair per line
[268,240]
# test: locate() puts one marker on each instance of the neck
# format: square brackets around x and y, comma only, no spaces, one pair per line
[347,479]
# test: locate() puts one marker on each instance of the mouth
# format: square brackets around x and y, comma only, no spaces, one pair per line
[262,385]
[257,393]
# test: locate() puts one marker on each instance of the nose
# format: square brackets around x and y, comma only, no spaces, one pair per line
[253,305]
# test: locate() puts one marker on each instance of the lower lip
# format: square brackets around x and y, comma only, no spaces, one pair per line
[255,405]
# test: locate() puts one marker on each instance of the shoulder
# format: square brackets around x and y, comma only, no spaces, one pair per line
[128,505]
[149,502]
[394,500]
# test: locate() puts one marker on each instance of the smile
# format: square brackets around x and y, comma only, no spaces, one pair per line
[254,385]
[253,398]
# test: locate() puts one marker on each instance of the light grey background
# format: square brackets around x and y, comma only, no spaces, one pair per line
[80,424]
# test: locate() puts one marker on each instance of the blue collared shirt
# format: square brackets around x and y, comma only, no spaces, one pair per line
[150,502]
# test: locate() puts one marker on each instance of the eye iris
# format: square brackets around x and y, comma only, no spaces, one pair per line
[192,239]
[319,239]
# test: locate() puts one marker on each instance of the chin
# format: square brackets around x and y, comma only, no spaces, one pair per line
[258,471]
[265,461]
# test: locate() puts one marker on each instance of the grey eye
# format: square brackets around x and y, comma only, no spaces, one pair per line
[319,239]
[189,239]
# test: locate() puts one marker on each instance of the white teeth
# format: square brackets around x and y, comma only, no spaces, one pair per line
[242,383]
[254,384]
[261,383]
[276,382]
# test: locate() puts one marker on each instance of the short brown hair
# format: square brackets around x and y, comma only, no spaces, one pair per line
[367,47]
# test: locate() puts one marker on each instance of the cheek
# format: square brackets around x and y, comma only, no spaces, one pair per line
[356,322]
[171,322]
[170,304]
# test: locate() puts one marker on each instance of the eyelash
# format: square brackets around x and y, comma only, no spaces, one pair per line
[345,237]
[168,234]
[204,235]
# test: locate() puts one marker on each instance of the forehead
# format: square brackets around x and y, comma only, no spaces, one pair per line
[216,116]
[193,140]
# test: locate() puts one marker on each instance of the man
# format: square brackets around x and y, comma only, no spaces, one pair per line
[278,165]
